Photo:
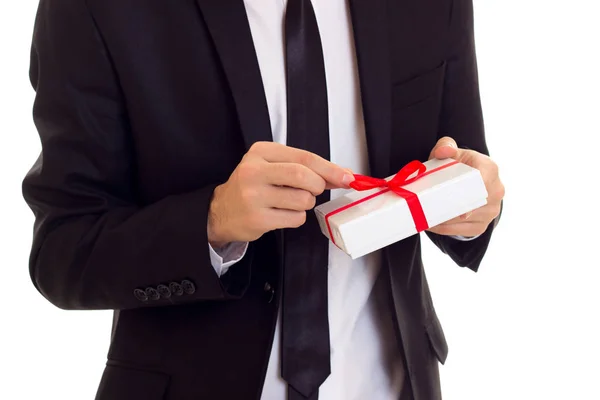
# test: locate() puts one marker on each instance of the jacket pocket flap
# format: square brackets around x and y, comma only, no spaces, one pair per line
[419,87]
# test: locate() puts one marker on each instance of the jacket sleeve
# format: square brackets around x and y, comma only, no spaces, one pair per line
[462,119]
[95,246]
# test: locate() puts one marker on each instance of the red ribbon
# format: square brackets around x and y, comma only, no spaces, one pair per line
[362,183]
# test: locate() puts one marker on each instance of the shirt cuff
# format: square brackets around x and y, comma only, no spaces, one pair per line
[223,258]
[465,238]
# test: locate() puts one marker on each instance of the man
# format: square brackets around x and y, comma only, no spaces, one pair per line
[184,145]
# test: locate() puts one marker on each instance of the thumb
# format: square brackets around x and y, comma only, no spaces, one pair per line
[445,148]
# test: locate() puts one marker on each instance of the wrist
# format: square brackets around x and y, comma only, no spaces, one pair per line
[214,229]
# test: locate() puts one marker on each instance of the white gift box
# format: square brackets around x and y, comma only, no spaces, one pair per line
[361,222]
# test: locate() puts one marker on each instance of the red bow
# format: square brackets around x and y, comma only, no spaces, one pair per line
[362,183]
[395,185]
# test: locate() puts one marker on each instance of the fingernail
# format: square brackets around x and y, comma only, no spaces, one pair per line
[347,179]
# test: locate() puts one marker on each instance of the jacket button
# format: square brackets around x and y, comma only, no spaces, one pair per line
[140,295]
[188,287]
[267,287]
[176,288]
[164,291]
[152,293]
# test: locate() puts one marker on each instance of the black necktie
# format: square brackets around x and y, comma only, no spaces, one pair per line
[305,326]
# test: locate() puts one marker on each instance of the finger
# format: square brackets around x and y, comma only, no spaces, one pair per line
[486,166]
[467,229]
[330,186]
[466,216]
[295,176]
[289,198]
[335,175]
[471,216]
[488,169]
[453,221]
[482,214]
[445,148]
[496,190]
[281,219]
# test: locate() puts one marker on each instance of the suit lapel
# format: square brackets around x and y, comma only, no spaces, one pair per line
[228,25]
[229,28]
[369,19]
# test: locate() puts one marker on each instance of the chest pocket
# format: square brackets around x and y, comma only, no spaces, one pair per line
[416,107]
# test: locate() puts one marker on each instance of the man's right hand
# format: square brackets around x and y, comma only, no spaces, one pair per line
[272,188]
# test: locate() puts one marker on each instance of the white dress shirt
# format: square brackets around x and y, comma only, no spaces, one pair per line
[366,362]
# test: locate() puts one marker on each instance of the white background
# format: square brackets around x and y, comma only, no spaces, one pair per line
[525,327]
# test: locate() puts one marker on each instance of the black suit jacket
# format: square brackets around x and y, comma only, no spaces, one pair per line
[143,107]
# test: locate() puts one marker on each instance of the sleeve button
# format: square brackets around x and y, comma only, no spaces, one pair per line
[176,288]
[140,295]
[164,291]
[188,287]
[152,293]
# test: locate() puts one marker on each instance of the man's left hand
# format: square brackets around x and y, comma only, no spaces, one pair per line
[475,222]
